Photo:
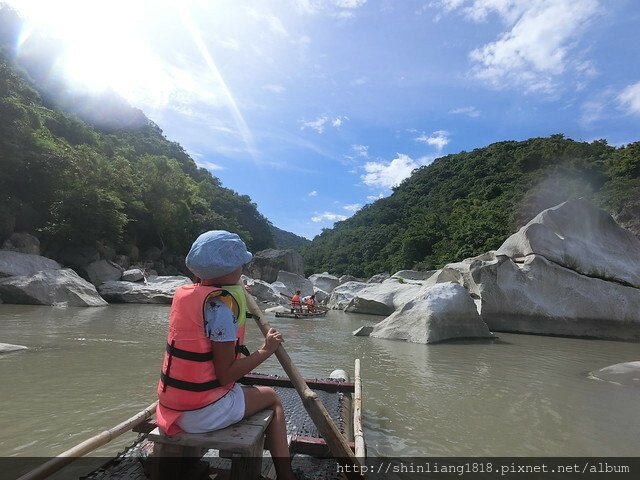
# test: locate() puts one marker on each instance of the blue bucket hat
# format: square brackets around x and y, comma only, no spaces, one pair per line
[216,253]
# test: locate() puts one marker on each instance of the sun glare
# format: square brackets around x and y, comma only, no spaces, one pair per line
[103,47]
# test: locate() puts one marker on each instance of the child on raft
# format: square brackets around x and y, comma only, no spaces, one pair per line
[204,358]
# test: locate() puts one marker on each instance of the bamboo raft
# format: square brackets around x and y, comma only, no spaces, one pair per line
[310,453]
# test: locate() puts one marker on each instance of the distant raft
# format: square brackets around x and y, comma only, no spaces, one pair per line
[304,314]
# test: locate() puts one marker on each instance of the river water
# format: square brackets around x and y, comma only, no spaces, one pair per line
[88,369]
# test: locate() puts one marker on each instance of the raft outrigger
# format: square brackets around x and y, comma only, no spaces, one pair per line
[324,427]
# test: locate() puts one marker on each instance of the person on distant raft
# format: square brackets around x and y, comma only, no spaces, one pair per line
[204,358]
[310,303]
[296,304]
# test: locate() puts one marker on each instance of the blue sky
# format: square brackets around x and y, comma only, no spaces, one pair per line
[315,108]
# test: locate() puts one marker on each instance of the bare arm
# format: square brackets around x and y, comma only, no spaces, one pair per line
[229,368]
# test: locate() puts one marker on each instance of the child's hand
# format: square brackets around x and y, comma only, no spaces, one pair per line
[272,340]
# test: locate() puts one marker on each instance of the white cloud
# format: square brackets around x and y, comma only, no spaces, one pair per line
[320,123]
[538,45]
[360,150]
[274,88]
[349,3]
[629,98]
[472,112]
[373,198]
[388,175]
[438,139]
[352,207]
[209,165]
[313,193]
[334,217]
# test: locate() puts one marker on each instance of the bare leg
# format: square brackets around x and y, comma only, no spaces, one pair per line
[261,398]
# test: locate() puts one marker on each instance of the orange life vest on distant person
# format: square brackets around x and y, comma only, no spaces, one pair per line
[295,300]
[188,379]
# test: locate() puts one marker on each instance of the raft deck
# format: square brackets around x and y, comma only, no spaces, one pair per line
[310,453]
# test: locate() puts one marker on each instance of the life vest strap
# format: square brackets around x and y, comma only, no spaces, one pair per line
[189,386]
[187,355]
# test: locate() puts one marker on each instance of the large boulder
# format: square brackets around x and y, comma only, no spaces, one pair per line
[379,278]
[132,275]
[321,296]
[24,264]
[265,292]
[627,373]
[267,263]
[442,312]
[581,237]
[343,294]
[324,281]
[382,298]
[295,282]
[50,287]
[154,290]
[103,271]
[23,243]
[539,296]
[348,278]
[417,275]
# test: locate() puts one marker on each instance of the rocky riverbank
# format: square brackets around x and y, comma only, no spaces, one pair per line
[570,271]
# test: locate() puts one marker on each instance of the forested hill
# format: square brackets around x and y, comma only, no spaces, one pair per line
[468,203]
[284,239]
[69,183]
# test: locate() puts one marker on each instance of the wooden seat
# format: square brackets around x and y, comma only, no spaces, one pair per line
[243,442]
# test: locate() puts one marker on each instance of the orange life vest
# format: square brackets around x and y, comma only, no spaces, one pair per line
[295,300]
[188,379]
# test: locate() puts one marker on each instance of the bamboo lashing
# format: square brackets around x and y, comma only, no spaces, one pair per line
[316,410]
[56,463]
[358,436]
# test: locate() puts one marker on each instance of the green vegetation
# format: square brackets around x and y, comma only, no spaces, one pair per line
[469,203]
[72,184]
[284,239]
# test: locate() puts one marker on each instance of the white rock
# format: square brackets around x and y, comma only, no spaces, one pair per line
[442,312]
[627,373]
[154,290]
[50,287]
[133,275]
[8,348]
[265,292]
[295,282]
[414,274]
[324,281]
[382,298]
[538,296]
[343,294]
[581,237]
[103,271]
[24,264]
[379,278]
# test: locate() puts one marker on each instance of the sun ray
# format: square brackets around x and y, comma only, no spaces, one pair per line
[241,125]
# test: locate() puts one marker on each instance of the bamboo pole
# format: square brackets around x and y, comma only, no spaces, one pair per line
[56,463]
[358,436]
[312,403]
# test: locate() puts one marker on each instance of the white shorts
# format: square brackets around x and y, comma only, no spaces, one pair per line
[226,411]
